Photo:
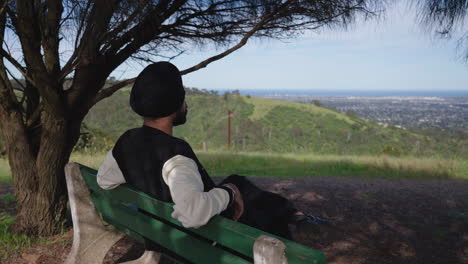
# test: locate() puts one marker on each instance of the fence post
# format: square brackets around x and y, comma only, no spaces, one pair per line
[204,146]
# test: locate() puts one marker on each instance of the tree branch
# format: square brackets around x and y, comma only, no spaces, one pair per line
[96,25]
[82,23]
[14,62]
[239,45]
[111,90]
[9,102]
[35,116]
[72,61]
[121,48]
[29,34]
[28,30]
[23,88]
[50,36]
[121,26]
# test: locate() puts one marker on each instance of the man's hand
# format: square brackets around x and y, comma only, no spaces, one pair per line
[238,204]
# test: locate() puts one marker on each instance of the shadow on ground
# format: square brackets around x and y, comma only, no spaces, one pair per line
[383,221]
[374,220]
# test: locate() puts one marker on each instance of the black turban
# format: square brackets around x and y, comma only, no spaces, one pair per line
[157,91]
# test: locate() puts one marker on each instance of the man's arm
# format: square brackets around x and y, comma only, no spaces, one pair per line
[193,207]
[109,175]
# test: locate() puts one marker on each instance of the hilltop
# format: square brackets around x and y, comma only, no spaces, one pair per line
[265,125]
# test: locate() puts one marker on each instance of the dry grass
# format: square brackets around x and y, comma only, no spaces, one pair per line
[430,165]
[295,165]
[298,165]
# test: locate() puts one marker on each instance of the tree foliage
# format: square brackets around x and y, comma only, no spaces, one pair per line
[65,50]
[445,17]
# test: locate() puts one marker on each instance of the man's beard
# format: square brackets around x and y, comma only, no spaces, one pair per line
[181,117]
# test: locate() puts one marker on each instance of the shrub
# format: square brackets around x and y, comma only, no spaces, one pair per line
[391,151]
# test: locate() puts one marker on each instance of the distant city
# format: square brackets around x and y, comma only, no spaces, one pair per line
[441,110]
[360,93]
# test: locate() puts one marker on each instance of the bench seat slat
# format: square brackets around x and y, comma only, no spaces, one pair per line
[226,232]
[173,239]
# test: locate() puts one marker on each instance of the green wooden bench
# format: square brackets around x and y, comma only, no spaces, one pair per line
[220,241]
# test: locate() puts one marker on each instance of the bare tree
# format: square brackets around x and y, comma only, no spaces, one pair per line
[46,42]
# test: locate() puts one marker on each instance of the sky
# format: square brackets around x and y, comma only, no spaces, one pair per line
[390,53]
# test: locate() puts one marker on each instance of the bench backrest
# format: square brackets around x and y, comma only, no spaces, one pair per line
[142,216]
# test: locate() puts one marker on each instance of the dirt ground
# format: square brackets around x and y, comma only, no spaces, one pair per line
[374,221]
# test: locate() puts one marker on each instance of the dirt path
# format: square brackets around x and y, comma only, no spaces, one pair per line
[384,221]
[376,221]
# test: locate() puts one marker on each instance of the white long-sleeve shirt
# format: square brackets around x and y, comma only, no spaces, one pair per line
[193,207]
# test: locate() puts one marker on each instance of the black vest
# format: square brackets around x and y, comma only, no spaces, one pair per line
[141,154]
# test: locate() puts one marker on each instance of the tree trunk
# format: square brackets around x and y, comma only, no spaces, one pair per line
[22,164]
[39,177]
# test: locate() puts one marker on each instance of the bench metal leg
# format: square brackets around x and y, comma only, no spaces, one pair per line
[91,239]
[149,257]
[269,250]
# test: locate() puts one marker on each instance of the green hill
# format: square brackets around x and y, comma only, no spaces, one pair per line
[264,125]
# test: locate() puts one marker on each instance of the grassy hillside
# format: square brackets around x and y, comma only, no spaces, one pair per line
[263,125]
[264,106]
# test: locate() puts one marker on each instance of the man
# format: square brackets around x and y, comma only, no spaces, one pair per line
[152,160]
